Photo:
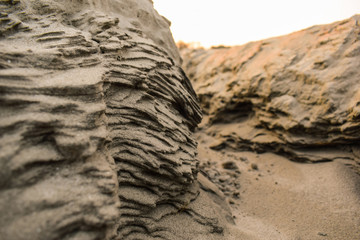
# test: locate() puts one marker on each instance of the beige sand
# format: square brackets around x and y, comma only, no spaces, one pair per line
[282,199]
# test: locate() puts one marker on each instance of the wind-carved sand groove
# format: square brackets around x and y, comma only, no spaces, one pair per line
[96,127]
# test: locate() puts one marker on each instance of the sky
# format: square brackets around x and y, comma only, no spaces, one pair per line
[235,22]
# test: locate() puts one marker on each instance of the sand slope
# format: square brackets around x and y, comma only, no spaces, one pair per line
[282,199]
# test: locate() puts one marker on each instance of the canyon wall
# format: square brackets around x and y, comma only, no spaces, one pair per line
[296,95]
[96,126]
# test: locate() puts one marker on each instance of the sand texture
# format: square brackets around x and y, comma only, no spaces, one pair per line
[281,130]
[96,127]
[99,136]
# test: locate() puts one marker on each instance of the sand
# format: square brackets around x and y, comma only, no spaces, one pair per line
[283,199]
[280,132]
[97,143]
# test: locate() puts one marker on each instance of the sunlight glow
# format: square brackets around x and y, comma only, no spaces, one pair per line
[234,22]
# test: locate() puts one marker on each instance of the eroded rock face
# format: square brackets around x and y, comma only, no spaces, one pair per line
[96,126]
[297,95]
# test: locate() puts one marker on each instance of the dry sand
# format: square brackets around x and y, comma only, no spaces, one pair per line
[282,199]
[112,156]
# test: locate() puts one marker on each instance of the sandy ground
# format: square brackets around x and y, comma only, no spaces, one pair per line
[274,198]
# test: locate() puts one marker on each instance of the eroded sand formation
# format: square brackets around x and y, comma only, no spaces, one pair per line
[272,108]
[97,121]
[297,95]
[96,126]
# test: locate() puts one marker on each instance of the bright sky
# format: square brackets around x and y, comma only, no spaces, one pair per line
[234,22]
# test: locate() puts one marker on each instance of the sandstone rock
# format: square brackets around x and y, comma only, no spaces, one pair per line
[296,95]
[96,126]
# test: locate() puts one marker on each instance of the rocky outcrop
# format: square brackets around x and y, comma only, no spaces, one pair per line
[296,95]
[96,126]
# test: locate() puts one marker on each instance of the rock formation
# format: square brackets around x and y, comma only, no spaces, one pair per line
[97,120]
[96,126]
[296,95]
